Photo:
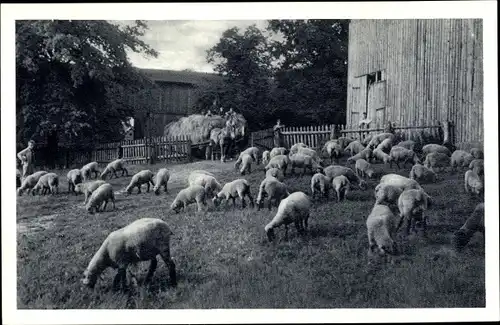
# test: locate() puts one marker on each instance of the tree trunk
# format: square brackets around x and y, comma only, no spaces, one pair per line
[52,146]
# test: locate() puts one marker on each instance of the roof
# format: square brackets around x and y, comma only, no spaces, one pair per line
[184,77]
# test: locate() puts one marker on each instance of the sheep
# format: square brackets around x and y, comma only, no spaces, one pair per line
[309,152]
[473,224]
[460,158]
[142,177]
[399,181]
[253,152]
[377,139]
[344,142]
[18,178]
[102,194]
[365,154]
[305,162]
[334,171]
[429,148]
[87,188]
[47,182]
[341,186]
[367,139]
[141,240]
[363,168]
[275,172]
[278,151]
[477,165]
[273,189]
[295,147]
[245,160]
[88,169]
[237,188]
[422,174]
[381,225]
[192,194]
[200,171]
[266,156]
[320,183]
[74,177]
[473,184]
[385,193]
[411,204]
[162,177]
[382,156]
[281,161]
[385,145]
[209,183]
[407,144]
[113,167]
[435,160]
[333,149]
[477,153]
[354,148]
[400,154]
[294,208]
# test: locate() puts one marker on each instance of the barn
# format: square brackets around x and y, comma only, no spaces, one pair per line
[416,72]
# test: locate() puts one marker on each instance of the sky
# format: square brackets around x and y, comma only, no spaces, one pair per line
[182,44]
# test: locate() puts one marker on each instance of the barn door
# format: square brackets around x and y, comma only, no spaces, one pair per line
[359,96]
[376,103]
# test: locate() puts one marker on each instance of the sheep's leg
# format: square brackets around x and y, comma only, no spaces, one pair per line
[139,188]
[270,204]
[286,232]
[126,171]
[119,279]
[171,266]
[400,223]
[424,226]
[234,201]
[306,219]
[251,199]
[165,187]
[148,186]
[114,173]
[243,203]
[152,269]
[104,205]
[297,226]
[132,271]
[69,187]
[338,195]
[408,226]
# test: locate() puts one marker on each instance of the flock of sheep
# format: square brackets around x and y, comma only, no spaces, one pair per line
[398,199]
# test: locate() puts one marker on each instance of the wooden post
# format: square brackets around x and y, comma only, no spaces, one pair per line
[444,132]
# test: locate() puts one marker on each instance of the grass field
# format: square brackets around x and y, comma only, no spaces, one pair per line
[224,260]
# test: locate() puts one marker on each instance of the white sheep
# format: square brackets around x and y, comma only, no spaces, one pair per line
[477,153]
[278,151]
[295,147]
[333,149]
[113,167]
[365,154]
[309,152]
[266,156]
[87,188]
[344,142]
[335,170]
[437,160]
[142,240]
[143,177]
[161,179]
[429,148]
[382,156]
[460,158]
[232,190]
[381,226]
[273,190]
[407,144]
[473,183]
[354,148]
[363,168]
[281,161]
[245,160]
[477,165]
[403,183]
[473,224]
[385,193]
[378,138]
[399,154]
[320,183]
[275,172]
[293,209]
[88,169]
[385,145]
[209,183]
[341,186]
[411,204]
[304,161]
[192,194]
[47,182]
[74,177]
[422,174]
[367,139]
[30,181]
[254,152]
[102,194]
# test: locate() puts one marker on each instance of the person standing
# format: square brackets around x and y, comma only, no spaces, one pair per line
[27,159]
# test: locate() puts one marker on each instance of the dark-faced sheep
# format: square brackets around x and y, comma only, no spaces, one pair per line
[113,167]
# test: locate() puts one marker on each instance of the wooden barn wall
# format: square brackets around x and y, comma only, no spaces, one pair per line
[433,70]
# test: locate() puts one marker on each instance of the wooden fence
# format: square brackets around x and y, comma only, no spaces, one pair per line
[313,136]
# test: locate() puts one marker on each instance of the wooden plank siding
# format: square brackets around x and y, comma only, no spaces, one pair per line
[432,69]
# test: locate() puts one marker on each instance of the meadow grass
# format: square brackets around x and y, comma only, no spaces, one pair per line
[224,260]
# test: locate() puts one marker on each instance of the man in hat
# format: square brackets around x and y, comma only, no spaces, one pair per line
[27,159]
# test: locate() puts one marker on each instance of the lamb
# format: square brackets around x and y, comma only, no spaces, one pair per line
[273,189]
[435,160]
[305,162]
[422,174]
[477,153]
[473,184]
[253,152]
[141,240]
[399,154]
[365,154]
[209,183]
[245,160]
[102,194]
[341,186]
[385,193]
[473,224]
[334,171]
[266,156]
[382,156]
[88,169]
[407,144]
[309,152]
[294,208]
[113,167]
[333,149]
[411,204]
[74,177]
[88,188]
[192,194]
[47,182]
[320,183]
[385,145]
[477,165]
[142,177]
[276,173]
[363,168]
[354,148]
[460,158]
[161,179]
[381,226]
[377,139]
[280,161]
[399,181]
[295,147]
[237,188]
[277,151]
[429,148]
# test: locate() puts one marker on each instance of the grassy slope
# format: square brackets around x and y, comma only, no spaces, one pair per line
[224,261]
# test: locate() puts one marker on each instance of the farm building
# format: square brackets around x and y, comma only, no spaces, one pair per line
[416,72]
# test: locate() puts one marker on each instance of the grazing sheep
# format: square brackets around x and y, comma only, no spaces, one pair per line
[435,160]
[113,167]
[412,204]
[365,154]
[293,209]
[363,168]
[277,151]
[407,144]
[88,169]
[295,147]
[367,139]
[47,182]
[341,186]
[309,152]
[422,174]
[460,158]
[209,183]
[161,179]
[237,188]
[473,183]
[103,193]
[266,156]
[74,177]
[385,145]
[142,177]
[477,165]
[276,173]
[400,154]
[381,226]
[334,171]
[273,190]
[377,139]
[382,156]
[385,193]
[280,161]
[192,194]
[245,160]
[18,178]
[87,188]
[333,149]
[473,224]
[429,148]
[399,181]
[305,162]
[254,152]
[344,142]
[142,240]
[477,153]
[354,148]
[320,183]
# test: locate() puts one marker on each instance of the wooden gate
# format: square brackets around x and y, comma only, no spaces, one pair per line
[263,139]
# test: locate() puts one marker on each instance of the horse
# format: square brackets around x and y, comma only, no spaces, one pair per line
[227,137]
